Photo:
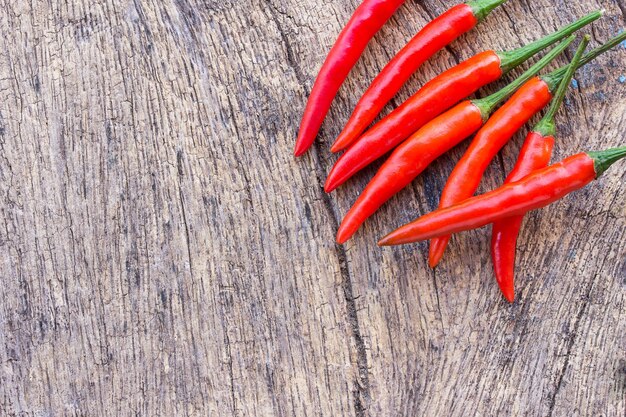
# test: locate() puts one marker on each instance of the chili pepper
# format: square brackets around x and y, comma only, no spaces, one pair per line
[367,19]
[539,189]
[507,120]
[434,139]
[535,154]
[435,97]
[427,144]
[433,37]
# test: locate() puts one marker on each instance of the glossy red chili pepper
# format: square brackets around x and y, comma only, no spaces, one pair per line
[468,172]
[427,144]
[433,37]
[439,135]
[539,189]
[367,19]
[435,97]
[535,154]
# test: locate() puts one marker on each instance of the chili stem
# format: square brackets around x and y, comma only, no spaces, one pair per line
[481,8]
[555,77]
[487,104]
[546,126]
[604,159]
[512,59]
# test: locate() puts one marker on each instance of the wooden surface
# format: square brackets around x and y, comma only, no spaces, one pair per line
[162,253]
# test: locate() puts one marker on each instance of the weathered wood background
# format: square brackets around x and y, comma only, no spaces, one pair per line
[162,253]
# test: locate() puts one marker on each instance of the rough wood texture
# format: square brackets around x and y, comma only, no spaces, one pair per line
[162,253]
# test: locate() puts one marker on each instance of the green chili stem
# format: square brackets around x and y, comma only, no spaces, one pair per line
[546,126]
[554,78]
[511,59]
[481,8]
[602,160]
[488,104]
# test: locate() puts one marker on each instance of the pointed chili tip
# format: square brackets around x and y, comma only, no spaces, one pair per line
[300,149]
[343,235]
[330,185]
[337,147]
[435,253]
[385,241]
[341,239]
[509,294]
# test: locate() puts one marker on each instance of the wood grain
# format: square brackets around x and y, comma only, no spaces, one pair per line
[162,253]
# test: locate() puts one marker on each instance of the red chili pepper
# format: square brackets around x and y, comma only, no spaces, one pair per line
[431,141]
[507,120]
[367,19]
[468,172]
[435,97]
[535,154]
[539,189]
[434,139]
[433,37]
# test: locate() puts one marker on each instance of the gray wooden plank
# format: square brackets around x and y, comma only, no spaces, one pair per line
[162,253]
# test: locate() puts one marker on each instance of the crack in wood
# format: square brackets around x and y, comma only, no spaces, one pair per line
[572,339]
[361,386]
[175,160]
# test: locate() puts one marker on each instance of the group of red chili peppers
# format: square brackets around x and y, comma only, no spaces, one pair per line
[431,122]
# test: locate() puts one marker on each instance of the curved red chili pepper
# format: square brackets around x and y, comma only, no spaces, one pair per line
[409,160]
[435,97]
[367,19]
[535,154]
[427,144]
[539,189]
[468,172]
[433,37]
[466,176]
